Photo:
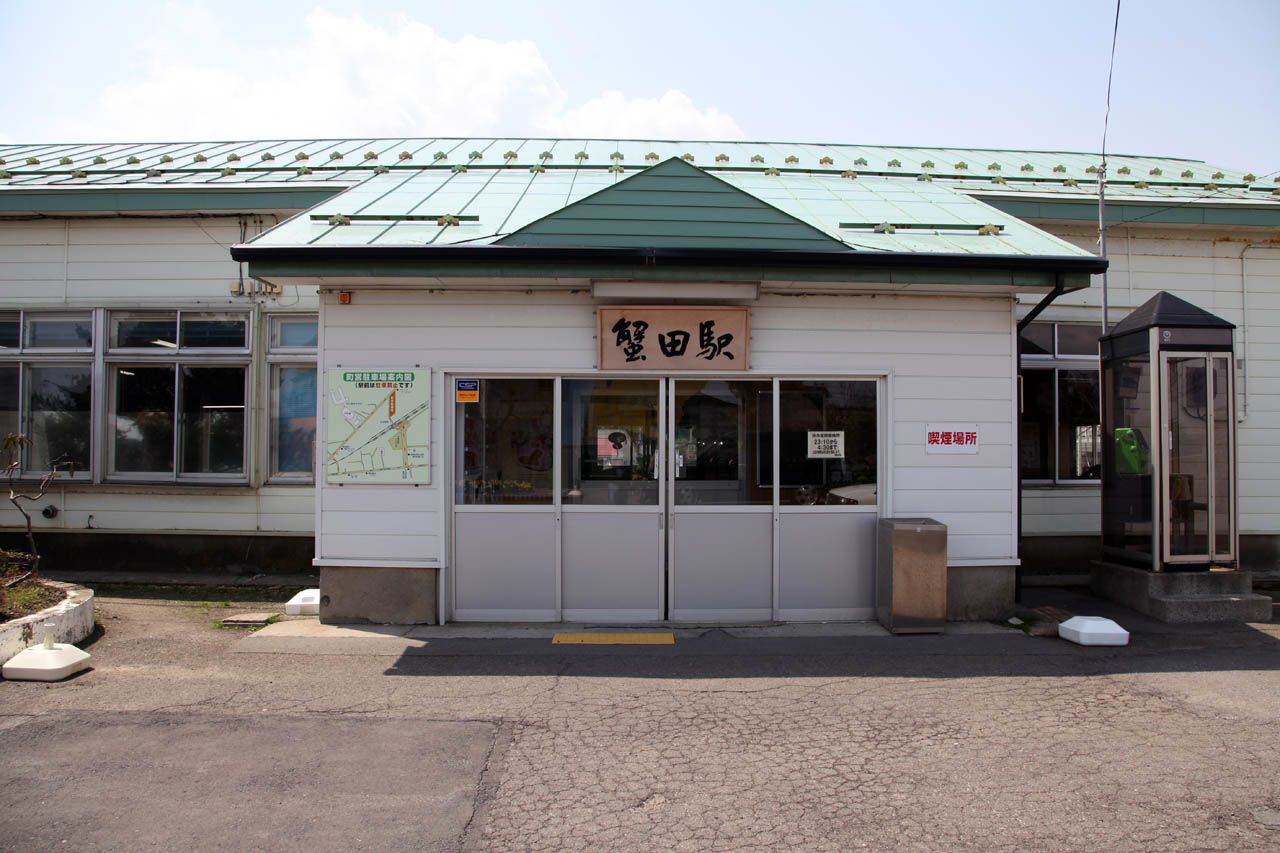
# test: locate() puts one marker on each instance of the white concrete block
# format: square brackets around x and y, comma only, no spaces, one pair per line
[1093,631]
[48,662]
[305,603]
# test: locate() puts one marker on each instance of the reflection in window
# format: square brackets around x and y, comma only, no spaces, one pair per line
[717,443]
[506,443]
[144,331]
[59,331]
[293,424]
[611,441]
[1079,426]
[144,419]
[827,444]
[8,400]
[209,331]
[59,416]
[1061,425]
[211,412]
[1127,486]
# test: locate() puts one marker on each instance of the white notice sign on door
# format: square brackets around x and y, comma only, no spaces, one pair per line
[826,445]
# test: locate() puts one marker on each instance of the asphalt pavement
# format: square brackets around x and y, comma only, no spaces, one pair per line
[188,735]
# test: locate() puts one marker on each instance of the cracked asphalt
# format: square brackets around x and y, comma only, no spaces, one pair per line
[188,736]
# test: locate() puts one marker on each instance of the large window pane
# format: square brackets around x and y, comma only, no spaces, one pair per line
[204,331]
[1079,426]
[1126,488]
[59,331]
[144,331]
[1187,381]
[1036,442]
[293,420]
[1078,339]
[10,330]
[610,441]
[827,445]
[1036,339]
[59,416]
[8,400]
[1223,543]
[143,431]
[212,420]
[717,442]
[294,332]
[506,443]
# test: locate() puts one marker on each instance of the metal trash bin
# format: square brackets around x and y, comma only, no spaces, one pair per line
[911,575]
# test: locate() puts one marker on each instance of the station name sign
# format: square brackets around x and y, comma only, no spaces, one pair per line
[676,337]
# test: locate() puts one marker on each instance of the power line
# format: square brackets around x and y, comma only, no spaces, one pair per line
[1102,172]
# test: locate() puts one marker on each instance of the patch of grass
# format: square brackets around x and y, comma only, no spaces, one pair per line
[26,598]
[208,596]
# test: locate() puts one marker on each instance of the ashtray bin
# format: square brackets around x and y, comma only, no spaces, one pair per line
[911,575]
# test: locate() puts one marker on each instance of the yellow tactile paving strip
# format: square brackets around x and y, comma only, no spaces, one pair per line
[647,639]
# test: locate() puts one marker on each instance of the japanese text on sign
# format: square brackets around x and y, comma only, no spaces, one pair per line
[673,338]
[378,428]
[951,438]
[826,445]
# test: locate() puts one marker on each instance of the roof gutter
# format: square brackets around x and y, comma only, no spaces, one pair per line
[1059,288]
[1061,264]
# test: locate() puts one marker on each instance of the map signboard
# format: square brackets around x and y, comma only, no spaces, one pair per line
[379,426]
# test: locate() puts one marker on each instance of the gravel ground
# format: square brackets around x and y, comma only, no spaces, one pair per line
[189,735]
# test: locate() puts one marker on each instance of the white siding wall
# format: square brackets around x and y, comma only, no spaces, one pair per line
[947,360]
[1202,265]
[146,263]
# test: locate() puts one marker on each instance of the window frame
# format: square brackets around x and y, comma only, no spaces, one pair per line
[1055,362]
[117,358]
[277,356]
[25,357]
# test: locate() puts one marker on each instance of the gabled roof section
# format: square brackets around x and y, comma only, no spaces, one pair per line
[1168,311]
[673,205]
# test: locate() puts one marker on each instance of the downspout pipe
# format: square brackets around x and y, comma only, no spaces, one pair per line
[1059,287]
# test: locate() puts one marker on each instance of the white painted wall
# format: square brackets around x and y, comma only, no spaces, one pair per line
[1203,265]
[158,263]
[946,359]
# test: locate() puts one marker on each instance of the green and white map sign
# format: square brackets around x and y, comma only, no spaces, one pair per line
[379,426]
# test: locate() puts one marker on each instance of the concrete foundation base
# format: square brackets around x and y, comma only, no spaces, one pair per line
[376,595]
[1182,597]
[975,593]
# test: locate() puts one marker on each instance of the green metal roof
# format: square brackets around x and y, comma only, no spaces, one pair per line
[673,204]
[320,161]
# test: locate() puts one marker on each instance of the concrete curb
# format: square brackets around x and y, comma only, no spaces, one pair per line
[72,618]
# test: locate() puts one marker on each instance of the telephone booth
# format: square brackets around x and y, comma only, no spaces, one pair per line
[1169,439]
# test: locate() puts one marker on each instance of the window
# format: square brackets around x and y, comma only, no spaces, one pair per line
[46,386]
[827,443]
[1061,413]
[178,395]
[291,356]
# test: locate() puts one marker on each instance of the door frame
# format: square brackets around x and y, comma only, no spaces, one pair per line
[883,379]
[1166,513]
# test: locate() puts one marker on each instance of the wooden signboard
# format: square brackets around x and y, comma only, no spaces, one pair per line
[709,338]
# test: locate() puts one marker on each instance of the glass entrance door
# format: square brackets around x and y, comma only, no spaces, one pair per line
[612,505]
[1198,499]
[722,522]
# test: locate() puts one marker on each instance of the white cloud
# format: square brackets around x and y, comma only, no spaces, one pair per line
[348,77]
[673,116]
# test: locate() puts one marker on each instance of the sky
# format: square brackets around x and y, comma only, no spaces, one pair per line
[1192,79]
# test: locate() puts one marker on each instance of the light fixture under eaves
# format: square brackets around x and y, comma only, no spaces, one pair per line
[222,407]
[169,344]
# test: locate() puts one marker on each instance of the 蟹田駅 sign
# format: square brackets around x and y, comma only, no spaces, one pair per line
[378,428]
[951,438]
[683,337]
